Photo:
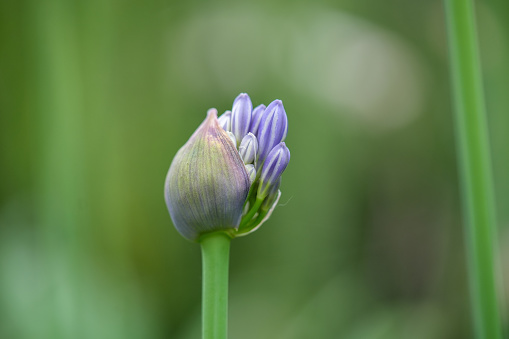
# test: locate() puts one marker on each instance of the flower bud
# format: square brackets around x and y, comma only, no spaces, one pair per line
[241,116]
[274,165]
[256,117]
[251,172]
[207,183]
[273,128]
[272,195]
[266,209]
[232,138]
[248,148]
[225,121]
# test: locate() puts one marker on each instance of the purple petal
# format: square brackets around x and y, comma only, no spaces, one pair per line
[241,116]
[273,167]
[256,119]
[273,128]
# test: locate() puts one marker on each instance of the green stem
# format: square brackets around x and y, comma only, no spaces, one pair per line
[215,254]
[252,223]
[251,213]
[475,167]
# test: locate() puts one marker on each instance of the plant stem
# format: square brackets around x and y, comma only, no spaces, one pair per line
[475,167]
[247,218]
[215,254]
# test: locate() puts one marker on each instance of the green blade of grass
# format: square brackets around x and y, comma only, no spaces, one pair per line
[474,165]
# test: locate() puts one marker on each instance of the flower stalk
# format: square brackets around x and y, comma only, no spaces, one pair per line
[224,183]
[474,164]
[215,257]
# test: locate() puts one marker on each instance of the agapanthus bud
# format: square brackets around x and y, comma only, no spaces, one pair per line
[241,116]
[272,195]
[232,138]
[266,209]
[256,117]
[274,165]
[273,128]
[248,148]
[207,183]
[251,172]
[225,121]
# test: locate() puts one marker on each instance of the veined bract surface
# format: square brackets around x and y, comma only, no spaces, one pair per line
[207,183]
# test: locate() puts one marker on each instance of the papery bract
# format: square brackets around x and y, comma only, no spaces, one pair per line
[207,183]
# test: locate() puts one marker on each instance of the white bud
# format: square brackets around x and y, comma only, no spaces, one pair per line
[234,140]
[248,148]
[241,116]
[251,172]
[225,121]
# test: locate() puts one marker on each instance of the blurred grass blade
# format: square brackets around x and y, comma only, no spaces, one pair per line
[474,164]
[61,198]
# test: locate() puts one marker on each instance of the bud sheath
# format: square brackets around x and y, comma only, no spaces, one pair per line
[207,183]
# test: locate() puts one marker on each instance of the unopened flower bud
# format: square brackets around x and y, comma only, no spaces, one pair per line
[273,128]
[241,116]
[248,148]
[232,137]
[207,183]
[251,172]
[272,195]
[266,209]
[274,165]
[225,121]
[256,117]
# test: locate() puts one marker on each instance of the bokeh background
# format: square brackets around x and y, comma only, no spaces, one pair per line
[97,96]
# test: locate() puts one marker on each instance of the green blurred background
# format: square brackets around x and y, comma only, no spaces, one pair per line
[97,96]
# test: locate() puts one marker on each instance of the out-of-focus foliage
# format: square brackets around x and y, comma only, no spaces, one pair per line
[97,96]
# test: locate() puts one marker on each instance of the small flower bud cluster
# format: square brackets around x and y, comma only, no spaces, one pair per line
[259,136]
[226,178]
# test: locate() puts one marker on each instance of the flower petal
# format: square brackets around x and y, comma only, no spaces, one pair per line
[248,148]
[256,118]
[274,166]
[241,116]
[273,128]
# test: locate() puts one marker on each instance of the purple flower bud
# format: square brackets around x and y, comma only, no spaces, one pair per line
[241,116]
[272,130]
[256,119]
[225,121]
[251,172]
[248,148]
[207,183]
[274,165]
